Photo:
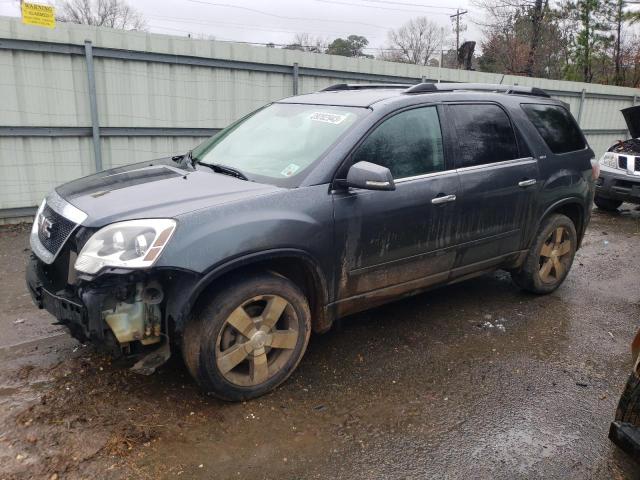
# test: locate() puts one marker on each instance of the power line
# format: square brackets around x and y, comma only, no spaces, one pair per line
[242,26]
[390,2]
[383,8]
[228,40]
[262,12]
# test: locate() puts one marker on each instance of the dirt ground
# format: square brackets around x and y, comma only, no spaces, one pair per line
[476,380]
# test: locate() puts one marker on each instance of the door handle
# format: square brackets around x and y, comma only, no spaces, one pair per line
[527,183]
[443,199]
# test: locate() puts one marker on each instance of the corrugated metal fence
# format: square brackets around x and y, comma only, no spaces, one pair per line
[78,99]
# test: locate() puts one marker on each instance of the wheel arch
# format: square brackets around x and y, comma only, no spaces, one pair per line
[573,208]
[296,265]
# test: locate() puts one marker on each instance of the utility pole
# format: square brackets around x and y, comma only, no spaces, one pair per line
[440,65]
[457,16]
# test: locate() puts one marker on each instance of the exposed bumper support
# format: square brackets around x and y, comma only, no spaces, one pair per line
[117,313]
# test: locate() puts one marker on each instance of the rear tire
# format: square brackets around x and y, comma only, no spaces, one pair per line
[248,337]
[550,257]
[608,204]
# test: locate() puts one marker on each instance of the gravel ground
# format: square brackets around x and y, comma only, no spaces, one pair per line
[474,380]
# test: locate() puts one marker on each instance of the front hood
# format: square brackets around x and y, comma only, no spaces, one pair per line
[632,117]
[153,190]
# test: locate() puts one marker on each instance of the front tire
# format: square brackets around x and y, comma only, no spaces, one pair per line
[550,256]
[608,204]
[248,337]
[629,404]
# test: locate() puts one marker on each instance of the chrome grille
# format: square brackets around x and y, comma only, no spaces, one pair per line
[53,229]
[54,223]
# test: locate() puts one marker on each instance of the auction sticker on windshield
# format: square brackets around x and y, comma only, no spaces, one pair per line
[333,118]
[290,169]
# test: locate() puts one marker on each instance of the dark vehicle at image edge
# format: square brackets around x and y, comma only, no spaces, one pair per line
[309,209]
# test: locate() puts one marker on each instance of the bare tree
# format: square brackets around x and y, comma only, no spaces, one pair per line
[537,17]
[102,13]
[414,42]
[306,43]
[526,37]
[502,13]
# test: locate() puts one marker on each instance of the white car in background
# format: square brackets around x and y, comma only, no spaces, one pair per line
[619,179]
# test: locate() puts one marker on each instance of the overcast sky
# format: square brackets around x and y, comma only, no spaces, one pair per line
[278,20]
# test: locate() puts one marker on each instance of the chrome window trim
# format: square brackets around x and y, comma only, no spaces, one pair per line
[63,208]
[516,161]
[424,175]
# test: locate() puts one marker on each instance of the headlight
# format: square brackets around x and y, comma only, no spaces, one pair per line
[36,220]
[130,244]
[610,160]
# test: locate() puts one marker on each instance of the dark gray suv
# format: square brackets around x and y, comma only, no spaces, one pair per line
[309,209]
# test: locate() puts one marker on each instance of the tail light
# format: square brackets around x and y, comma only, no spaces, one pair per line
[595,168]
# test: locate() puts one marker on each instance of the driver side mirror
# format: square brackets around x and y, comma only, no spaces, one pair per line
[370,176]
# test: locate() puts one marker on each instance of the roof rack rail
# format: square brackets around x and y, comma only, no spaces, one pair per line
[364,86]
[485,87]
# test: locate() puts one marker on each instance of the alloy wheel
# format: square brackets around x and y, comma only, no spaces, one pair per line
[555,256]
[257,340]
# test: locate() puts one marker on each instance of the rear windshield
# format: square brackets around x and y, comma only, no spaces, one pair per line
[556,126]
[278,143]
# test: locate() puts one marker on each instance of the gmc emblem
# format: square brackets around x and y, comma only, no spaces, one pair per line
[44,224]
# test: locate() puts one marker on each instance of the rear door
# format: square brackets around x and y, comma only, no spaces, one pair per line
[399,238]
[499,181]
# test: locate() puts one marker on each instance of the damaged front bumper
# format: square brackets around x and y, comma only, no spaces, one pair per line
[121,313]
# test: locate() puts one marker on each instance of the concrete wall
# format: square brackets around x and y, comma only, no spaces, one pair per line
[159,95]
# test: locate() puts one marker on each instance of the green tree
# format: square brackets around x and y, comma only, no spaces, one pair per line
[594,36]
[617,54]
[352,46]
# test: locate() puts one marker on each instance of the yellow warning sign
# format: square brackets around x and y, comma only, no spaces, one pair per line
[40,15]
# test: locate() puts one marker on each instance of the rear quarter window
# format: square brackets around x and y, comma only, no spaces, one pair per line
[556,127]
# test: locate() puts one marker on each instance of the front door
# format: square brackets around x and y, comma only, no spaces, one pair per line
[398,241]
[498,178]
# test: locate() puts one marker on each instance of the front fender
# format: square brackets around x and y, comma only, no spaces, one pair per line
[296,224]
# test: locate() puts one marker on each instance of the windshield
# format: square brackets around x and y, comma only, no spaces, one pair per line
[278,143]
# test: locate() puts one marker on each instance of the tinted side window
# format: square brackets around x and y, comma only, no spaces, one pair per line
[408,144]
[556,126]
[483,135]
